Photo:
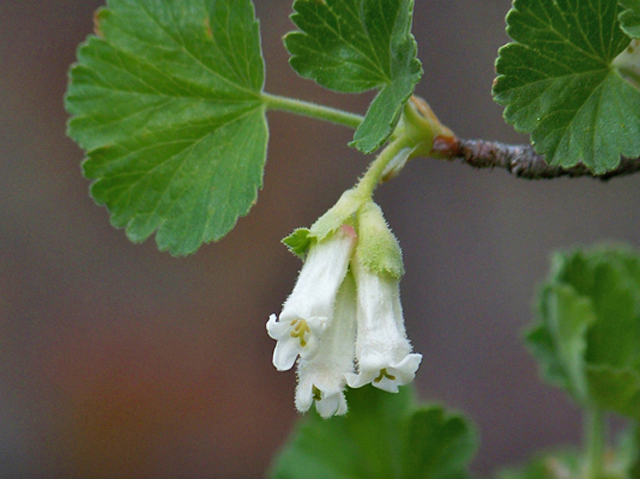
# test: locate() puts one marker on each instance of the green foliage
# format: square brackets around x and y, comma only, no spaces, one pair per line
[358,45]
[627,461]
[621,461]
[166,100]
[630,17]
[298,242]
[558,82]
[382,436]
[562,338]
[564,463]
[588,335]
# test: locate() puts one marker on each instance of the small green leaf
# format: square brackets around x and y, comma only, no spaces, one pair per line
[557,82]
[298,242]
[630,17]
[382,436]
[166,100]
[358,45]
[588,335]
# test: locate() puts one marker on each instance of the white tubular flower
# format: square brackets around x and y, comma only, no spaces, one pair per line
[383,352]
[309,309]
[322,378]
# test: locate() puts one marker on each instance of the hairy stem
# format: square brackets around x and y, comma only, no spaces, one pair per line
[371,178]
[308,109]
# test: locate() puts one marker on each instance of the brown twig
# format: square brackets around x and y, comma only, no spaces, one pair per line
[519,160]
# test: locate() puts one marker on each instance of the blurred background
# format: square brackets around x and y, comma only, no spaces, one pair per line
[117,360]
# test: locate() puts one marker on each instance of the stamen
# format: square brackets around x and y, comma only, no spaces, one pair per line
[317,393]
[384,374]
[299,330]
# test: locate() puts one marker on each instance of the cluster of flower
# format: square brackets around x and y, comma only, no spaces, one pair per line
[343,322]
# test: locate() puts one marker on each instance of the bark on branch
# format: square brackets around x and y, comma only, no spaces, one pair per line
[520,160]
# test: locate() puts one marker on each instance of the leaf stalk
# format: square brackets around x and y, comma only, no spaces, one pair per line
[313,110]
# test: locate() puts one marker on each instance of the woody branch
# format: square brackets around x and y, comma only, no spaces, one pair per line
[520,160]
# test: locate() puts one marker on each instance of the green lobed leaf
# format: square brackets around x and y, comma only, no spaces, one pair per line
[166,101]
[358,45]
[557,82]
[588,335]
[439,445]
[630,17]
[382,436]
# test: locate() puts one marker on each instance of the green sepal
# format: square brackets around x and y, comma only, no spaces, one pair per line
[357,45]
[167,102]
[383,435]
[378,248]
[298,242]
[343,212]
